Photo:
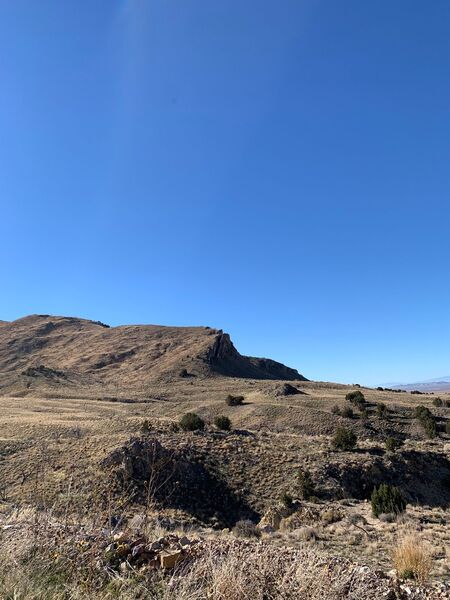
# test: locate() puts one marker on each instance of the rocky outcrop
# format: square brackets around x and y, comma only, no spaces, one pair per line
[223,358]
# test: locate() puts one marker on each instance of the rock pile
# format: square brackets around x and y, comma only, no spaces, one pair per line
[124,554]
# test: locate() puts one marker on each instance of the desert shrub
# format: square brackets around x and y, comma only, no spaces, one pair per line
[387,499]
[413,559]
[427,420]
[146,426]
[222,423]
[191,422]
[344,439]
[447,403]
[286,500]
[380,389]
[246,529]
[347,412]
[381,410]
[387,517]
[174,427]
[330,515]
[421,412]
[336,410]
[234,400]
[306,534]
[430,427]
[305,485]
[356,398]
[364,414]
[393,444]
[447,427]
[183,373]
[438,402]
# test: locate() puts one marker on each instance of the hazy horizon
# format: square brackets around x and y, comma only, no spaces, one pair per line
[278,170]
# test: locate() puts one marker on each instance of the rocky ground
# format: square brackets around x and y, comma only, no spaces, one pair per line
[109,461]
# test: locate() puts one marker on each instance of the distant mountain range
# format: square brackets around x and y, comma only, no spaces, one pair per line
[438,384]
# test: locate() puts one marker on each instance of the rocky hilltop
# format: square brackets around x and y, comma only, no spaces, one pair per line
[71,351]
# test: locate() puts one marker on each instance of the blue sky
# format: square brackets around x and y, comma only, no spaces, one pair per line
[278,169]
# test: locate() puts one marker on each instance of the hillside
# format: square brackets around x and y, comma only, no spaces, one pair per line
[96,465]
[43,350]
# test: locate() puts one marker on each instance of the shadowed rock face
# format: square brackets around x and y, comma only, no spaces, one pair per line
[86,353]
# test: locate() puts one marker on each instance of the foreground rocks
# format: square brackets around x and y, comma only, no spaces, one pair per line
[125,553]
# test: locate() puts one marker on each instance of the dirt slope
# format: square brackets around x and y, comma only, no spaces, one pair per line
[67,351]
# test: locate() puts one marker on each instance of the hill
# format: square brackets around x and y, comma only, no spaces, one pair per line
[65,351]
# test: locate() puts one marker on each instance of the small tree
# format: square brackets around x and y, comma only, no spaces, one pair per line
[305,485]
[387,499]
[222,423]
[344,439]
[191,422]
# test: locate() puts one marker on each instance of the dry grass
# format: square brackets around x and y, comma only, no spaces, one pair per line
[236,571]
[413,559]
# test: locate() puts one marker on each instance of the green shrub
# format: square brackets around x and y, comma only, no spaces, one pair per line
[427,420]
[430,427]
[222,423]
[305,485]
[355,397]
[381,410]
[347,412]
[191,422]
[438,402]
[421,412]
[393,444]
[234,400]
[344,439]
[387,499]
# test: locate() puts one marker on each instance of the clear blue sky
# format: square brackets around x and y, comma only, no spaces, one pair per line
[279,169]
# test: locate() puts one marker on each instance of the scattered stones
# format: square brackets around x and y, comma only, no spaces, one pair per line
[124,554]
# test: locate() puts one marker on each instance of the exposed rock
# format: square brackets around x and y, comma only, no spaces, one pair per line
[286,389]
[169,559]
